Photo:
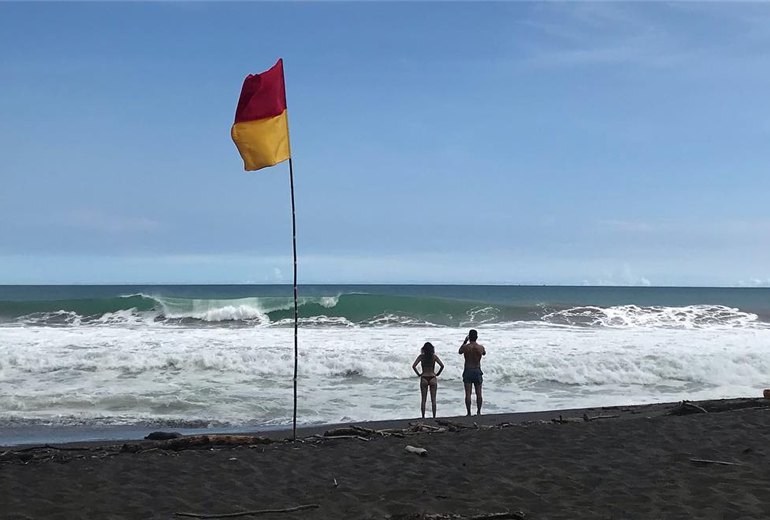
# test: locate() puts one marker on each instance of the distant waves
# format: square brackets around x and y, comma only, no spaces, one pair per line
[360,310]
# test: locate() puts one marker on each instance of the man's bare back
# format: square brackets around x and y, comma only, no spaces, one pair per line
[473,352]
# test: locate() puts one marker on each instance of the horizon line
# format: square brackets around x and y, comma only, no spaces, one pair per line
[416,284]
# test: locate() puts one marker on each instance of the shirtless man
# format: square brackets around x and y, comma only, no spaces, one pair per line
[472,374]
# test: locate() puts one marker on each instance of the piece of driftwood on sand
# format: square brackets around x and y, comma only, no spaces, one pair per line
[250,513]
[719,462]
[719,405]
[588,418]
[562,420]
[197,441]
[687,408]
[330,437]
[422,452]
[508,515]
[452,426]
[362,433]
[341,432]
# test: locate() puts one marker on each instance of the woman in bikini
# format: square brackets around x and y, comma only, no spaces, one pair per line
[428,377]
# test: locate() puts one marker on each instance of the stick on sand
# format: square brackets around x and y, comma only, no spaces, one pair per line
[720,462]
[247,513]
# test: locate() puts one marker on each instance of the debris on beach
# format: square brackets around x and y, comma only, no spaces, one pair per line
[718,405]
[249,513]
[508,515]
[197,441]
[167,443]
[422,452]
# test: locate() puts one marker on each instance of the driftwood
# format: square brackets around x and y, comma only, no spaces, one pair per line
[587,418]
[198,441]
[20,456]
[392,432]
[421,426]
[359,437]
[41,453]
[716,406]
[538,422]
[49,447]
[513,515]
[340,432]
[562,420]
[687,408]
[422,452]
[412,429]
[250,513]
[369,431]
[720,462]
[721,405]
[192,441]
[453,426]
[729,405]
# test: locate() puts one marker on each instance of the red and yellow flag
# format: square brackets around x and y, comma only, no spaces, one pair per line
[261,129]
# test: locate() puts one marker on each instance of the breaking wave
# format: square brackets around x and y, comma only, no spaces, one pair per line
[360,310]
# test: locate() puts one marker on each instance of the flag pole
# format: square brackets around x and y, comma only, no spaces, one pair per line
[296,312]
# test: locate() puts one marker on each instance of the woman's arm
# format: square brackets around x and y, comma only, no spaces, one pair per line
[440,364]
[414,365]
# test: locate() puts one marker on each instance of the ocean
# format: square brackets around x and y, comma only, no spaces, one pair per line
[102,358]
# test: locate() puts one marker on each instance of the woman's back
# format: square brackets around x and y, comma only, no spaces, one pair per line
[428,363]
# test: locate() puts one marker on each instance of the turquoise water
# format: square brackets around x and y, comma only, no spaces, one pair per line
[379,305]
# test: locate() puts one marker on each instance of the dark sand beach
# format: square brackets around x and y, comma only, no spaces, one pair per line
[636,465]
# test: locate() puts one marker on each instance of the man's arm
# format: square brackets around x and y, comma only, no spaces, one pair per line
[483,350]
[462,347]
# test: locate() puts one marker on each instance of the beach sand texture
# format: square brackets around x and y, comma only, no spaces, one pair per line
[637,466]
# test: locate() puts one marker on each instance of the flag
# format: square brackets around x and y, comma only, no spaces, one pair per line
[261,128]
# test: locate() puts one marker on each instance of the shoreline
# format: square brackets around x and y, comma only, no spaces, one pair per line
[21,437]
[95,435]
[638,462]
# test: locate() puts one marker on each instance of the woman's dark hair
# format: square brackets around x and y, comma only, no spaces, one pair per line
[428,351]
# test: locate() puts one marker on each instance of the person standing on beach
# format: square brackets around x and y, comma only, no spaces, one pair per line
[429,376]
[472,374]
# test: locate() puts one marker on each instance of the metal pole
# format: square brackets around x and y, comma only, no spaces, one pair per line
[296,312]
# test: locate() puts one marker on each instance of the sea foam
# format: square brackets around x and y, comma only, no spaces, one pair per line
[96,374]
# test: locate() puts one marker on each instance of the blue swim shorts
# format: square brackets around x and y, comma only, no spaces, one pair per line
[473,376]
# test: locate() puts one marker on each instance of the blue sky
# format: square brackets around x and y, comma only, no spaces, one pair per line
[556,143]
